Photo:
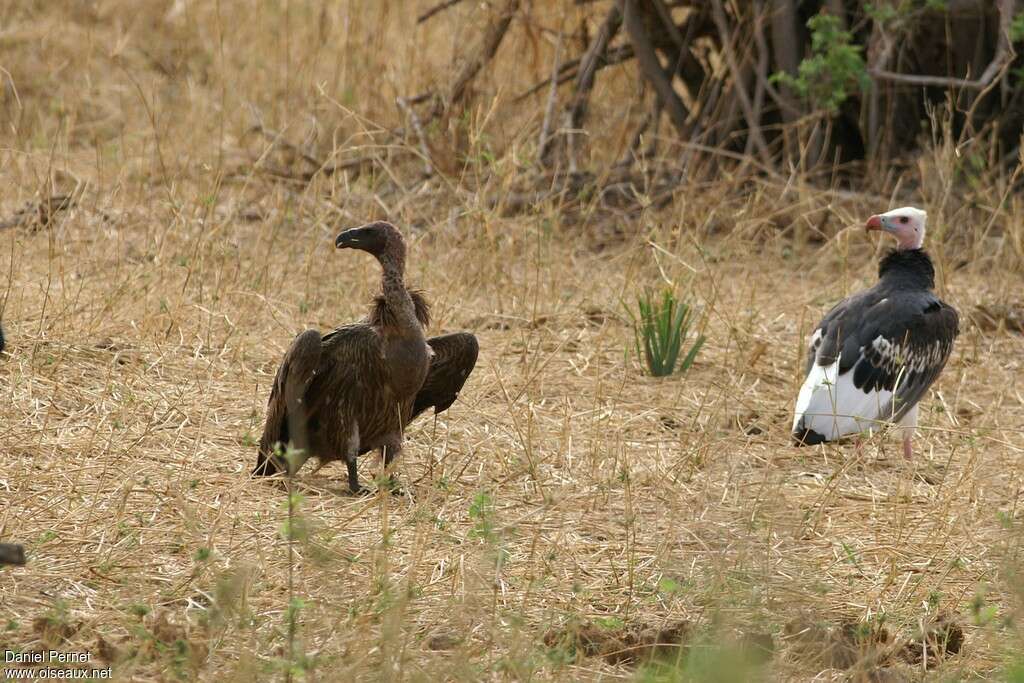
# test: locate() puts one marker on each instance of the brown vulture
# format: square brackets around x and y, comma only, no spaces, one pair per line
[355,389]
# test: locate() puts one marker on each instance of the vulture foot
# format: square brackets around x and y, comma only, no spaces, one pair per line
[360,491]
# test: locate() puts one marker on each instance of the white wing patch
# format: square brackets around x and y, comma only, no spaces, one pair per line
[896,354]
[815,340]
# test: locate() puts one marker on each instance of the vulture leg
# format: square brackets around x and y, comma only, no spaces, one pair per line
[453,360]
[351,455]
[907,426]
[353,478]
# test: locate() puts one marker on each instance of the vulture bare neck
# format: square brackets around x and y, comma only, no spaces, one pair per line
[400,318]
[405,344]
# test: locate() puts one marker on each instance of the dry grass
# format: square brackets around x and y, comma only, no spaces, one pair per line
[564,493]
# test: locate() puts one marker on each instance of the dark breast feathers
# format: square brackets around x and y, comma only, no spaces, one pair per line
[874,355]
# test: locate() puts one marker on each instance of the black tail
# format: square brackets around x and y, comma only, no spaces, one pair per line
[1,338]
[808,437]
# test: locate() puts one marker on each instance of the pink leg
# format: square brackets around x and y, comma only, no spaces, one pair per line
[908,450]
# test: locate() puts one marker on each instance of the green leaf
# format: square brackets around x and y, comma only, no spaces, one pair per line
[836,67]
[660,328]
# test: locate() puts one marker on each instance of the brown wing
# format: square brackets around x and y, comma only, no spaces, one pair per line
[453,360]
[286,418]
[352,390]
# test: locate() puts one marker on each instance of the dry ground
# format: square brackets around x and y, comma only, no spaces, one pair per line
[569,515]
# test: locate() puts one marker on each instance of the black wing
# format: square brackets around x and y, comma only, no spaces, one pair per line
[454,358]
[902,346]
[892,341]
[285,411]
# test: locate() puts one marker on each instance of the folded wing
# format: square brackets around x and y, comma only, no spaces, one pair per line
[286,412]
[454,358]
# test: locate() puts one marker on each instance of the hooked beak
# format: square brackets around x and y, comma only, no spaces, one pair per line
[352,238]
[874,223]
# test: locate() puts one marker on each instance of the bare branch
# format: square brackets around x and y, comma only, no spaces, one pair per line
[436,9]
[786,48]
[549,111]
[764,59]
[414,120]
[651,67]
[589,64]
[879,52]
[761,71]
[492,40]
[278,139]
[753,125]
[570,69]
[666,19]
[1002,58]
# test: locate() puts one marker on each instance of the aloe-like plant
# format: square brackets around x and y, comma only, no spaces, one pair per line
[660,328]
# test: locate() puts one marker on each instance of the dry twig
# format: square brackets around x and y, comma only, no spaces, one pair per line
[436,9]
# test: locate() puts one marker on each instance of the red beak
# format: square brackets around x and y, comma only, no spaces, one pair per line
[874,223]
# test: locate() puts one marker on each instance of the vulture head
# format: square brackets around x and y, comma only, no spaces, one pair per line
[380,238]
[905,224]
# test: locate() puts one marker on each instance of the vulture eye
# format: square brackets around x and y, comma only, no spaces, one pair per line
[904,220]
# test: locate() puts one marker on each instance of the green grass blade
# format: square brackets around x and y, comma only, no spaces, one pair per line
[692,355]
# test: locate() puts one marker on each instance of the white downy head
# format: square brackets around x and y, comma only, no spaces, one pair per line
[906,224]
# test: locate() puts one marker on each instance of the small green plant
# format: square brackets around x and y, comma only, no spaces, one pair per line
[981,613]
[485,527]
[610,623]
[138,609]
[481,511]
[660,327]
[835,68]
